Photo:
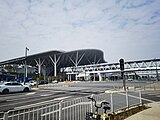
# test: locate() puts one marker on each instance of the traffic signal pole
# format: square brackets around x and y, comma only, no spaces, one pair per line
[124,81]
[121,62]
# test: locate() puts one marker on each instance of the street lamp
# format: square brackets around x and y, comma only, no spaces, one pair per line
[25,66]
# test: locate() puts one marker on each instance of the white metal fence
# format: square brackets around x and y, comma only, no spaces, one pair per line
[74,109]
[1,115]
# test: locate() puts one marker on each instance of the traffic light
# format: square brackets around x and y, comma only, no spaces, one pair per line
[121,61]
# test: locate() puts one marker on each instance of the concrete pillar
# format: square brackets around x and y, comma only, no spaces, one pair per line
[100,76]
[68,77]
[55,69]
[94,77]
[76,76]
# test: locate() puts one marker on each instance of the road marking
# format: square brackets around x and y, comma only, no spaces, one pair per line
[53,91]
[31,93]
[153,93]
[46,95]
[15,99]
[61,98]
[40,103]
[138,97]
[21,102]
[20,97]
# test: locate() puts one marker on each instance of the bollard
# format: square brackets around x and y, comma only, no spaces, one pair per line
[112,106]
[127,100]
[140,98]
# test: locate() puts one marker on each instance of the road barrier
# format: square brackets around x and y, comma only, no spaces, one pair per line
[74,109]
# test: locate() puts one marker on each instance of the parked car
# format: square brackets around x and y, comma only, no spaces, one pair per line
[54,81]
[8,87]
[31,83]
[43,82]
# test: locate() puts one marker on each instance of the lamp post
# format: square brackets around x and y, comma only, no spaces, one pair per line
[25,66]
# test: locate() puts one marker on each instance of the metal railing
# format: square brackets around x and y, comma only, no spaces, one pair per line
[74,109]
[151,86]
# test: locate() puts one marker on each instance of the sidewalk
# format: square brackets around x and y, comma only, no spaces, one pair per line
[152,113]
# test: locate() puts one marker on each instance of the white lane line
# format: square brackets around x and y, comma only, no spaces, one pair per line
[44,90]
[138,97]
[31,93]
[15,99]
[23,101]
[41,103]
[20,97]
[53,91]
[46,95]
[61,98]
[153,93]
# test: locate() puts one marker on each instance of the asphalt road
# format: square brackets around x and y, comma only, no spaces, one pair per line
[17,100]
[151,96]
[14,100]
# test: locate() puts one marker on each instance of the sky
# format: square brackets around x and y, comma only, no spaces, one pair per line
[128,29]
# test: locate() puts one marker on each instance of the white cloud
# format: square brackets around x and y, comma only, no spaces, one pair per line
[121,28]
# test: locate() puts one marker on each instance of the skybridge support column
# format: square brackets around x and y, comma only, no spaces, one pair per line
[76,76]
[94,76]
[100,76]
[55,69]
[68,76]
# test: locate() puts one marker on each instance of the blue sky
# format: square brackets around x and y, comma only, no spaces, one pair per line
[128,29]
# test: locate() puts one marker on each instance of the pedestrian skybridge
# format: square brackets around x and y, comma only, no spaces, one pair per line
[148,67]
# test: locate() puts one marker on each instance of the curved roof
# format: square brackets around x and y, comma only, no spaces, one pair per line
[84,57]
[64,59]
